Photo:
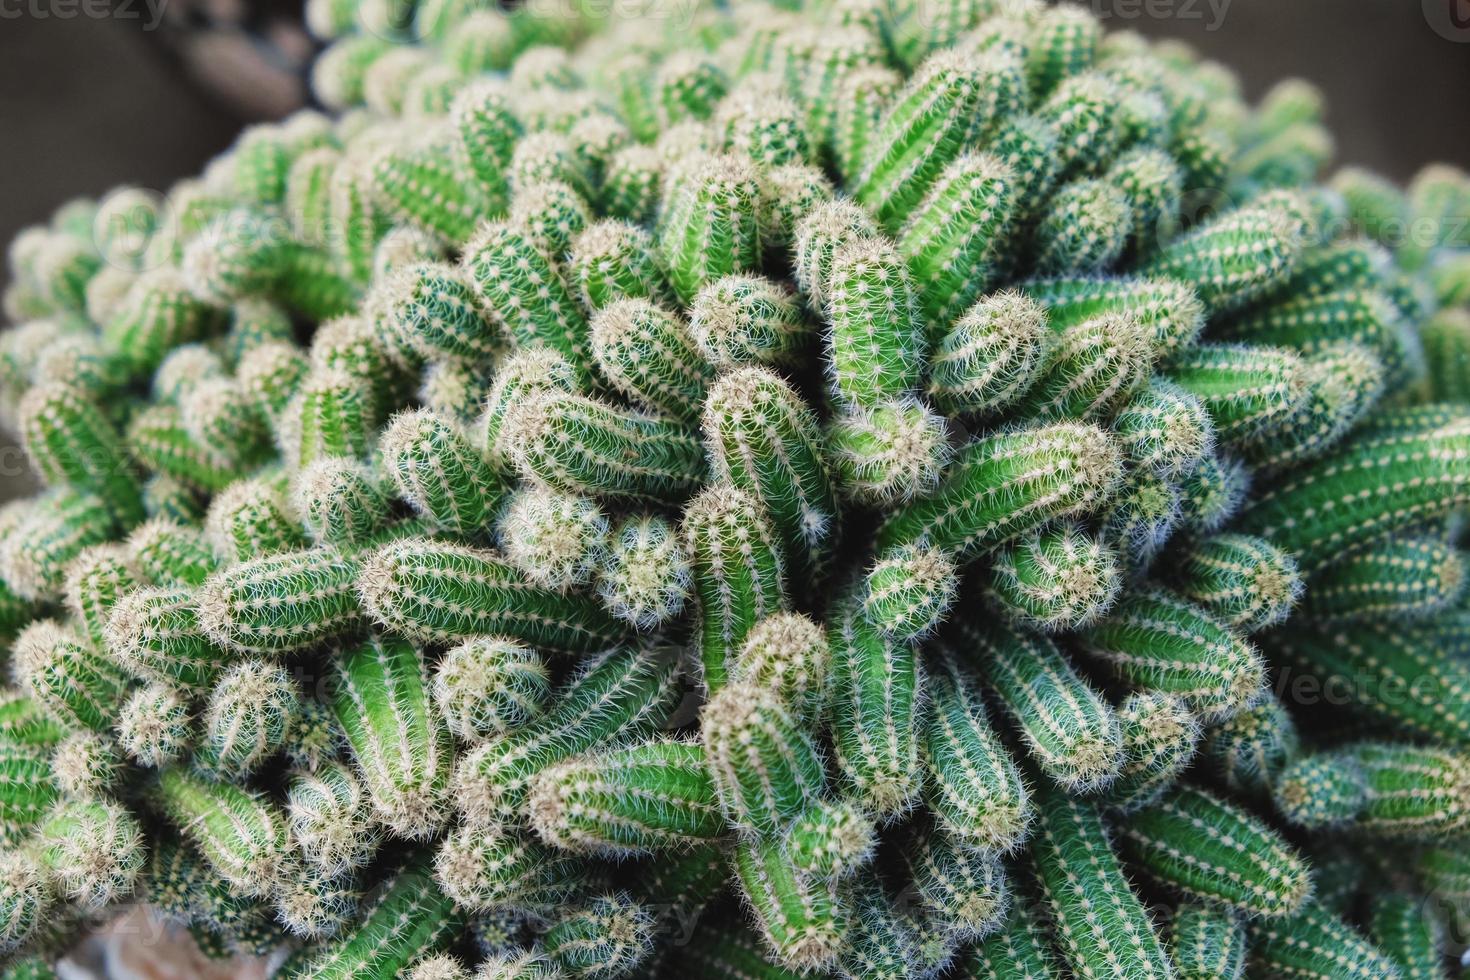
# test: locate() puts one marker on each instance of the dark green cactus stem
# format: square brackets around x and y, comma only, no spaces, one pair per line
[1092,369]
[791,655]
[1247,752]
[1019,949]
[70,440]
[649,354]
[440,473]
[1206,943]
[1314,943]
[1319,791]
[27,790]
[1245,581]
[963,892]
[281,603]
[484,868]
[990,356]
[606,937]
[831,840]
[1159,741]
[1409,934]
[240,833]
[1167,309]
[711,222]
[156,634]
[766,770]
[247,719]
[1250,392]
[1164,429]
[1056,578]
[1391,579]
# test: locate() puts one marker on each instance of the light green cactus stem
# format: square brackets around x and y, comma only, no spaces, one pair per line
[555,539]
[496,867]
[421,186]
[27,790]
[51,531]
[1321,791]
[877,719]
[765,126]
[271,374]
[803,922]
[1446,341]
[456,390]
[863,94]
[222,416]
[711,222]
[26,723]
[1248,752]
[328,814]
[1244,581]
[1084,111]
[247,718]
[831,840]
[1409,934]
[887,452]
[342,502]
[156,634]
[1206,943]
[1164,429]
[171,554]
[409,919]
[552,213]
[1091,370]
[93,850]
[487,686]
[331,415]
[649,797]
[765,767]
[430,310]
[155,725]
[69,439]
[281,603]
[763,439]
[1159,741]
[614,260]
[622,695]
[1314,943]
[579,444]
[527,293]
[1168,310]
[1194,842]
[1390,579]
[819,235]
[26,897]
[1060,43]
[157,313]
[488,131]
[688,86]
[400,742]
[1397,673]
[1155,640]
[439,472]
[1018,949]
[876,345]
[632,186]
[1004,484]
[1249,392]
[649,354]
[1053,579]
[1083,230]
[252,518]
[991,355]
[77,684]
[1066,726]
[239,832]
[1102,928]
[436,591]
[961,891]
[605,937]
[645,576]
[974,789]
[1152,183]
[547,156]
[953,98]
[908,591]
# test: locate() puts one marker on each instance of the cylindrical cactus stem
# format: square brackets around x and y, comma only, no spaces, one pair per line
[487,686]
[1206,943]
[1390,579]
[523,288]
[1412,793]
[311,905]
[332,414]
[25,899]
[1168,309]
[422,186]
[744,319]
[400,742]
[26,723]
[430,310]
[1004,484]
[27,791]
[831,840]
[888,452]
[496,867]
[51,530]
[1247,752]
[952,98]
[93,850]
[882,940]
[711,222]
[435,591]
[1159,741]
[552,212]
[1197,843]
[951,241]
[1408,931]
[440,473]
[247,718]
[614,260]
[764,440]
[171,554]
[328,814]
[157,634]
[863,95]
[1345,382]
[488,130]
[1083,230]
[1164,429]
[644,578]
[908,591]
[803,921]
[877,718]
[555,539]
[962,891]
[252,518]
[974,789]
[79,685]
[280,603]
[158,313]
[738,568]
[343,502]
[271,375]
[623,695]
[1069,730]
[819,235]
[876,344]
[1141,518]
[1250,392]
[765,767]
[1053,579]
[1157,641]
[1321,791]
[1085,112]
[649,797]
[1398,673]
[603,938]
[166,496]
[726,952]
[1018,948]
[649,354]
[70,440]
[1313,942]
[314,738]
[580,444]
[1101,925]
[991,355]
[1244,581]
[410,919]
[790,655]
[632,186]
[240,833]
[1061,42]
[1092,369]
[1212,493]
[155,726]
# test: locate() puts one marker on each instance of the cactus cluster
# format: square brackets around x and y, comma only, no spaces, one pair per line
[879,489]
